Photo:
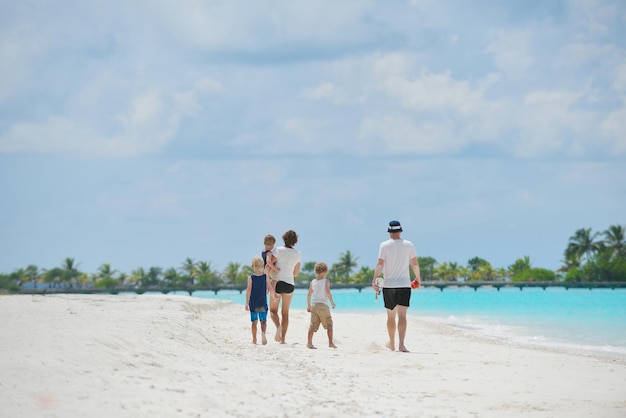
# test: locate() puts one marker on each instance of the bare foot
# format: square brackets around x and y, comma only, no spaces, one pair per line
[332,345]
[311,346]
[278,335]
[263,339]
[389,346]
[403,349]
[254,341]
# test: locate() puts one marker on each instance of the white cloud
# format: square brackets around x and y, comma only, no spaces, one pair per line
[143,110]
[412,94]
[595,16]
[546,120]
[237,25]
[619,82]
[302,134]
[324,90]
[150,121]
[511,51]
[208,85]
[577,54]
[67,135]
[399,135]
[438,92]
[429,113]
[16,50]
[614,126]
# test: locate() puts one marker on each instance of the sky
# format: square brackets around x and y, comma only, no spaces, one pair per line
[140,133]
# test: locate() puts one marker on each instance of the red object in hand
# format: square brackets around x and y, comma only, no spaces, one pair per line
[414,284]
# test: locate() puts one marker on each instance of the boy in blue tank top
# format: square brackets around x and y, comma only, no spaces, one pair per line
[256,298]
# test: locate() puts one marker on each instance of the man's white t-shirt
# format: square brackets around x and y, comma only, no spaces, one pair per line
[286,260]
[397,254]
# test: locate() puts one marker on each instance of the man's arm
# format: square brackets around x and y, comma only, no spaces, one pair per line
[416,270]
[377,271]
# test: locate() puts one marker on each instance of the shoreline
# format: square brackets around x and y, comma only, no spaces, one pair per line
[523,339]
[526,326]
[167,355]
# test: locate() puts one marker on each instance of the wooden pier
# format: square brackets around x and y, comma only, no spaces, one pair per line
[358,286]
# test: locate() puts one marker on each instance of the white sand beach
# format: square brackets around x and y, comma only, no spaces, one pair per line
[175,356]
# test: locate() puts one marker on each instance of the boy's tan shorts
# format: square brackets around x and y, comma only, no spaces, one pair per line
[320,313]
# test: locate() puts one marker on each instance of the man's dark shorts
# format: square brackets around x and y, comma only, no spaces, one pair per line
[396,296]
[283,287]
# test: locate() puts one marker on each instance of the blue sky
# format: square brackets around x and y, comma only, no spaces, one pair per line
[140,133]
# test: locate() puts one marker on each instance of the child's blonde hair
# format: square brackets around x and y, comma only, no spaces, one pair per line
[257,261]
[269,240]
[321,267]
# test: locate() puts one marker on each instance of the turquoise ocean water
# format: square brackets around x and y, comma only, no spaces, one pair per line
[580,319]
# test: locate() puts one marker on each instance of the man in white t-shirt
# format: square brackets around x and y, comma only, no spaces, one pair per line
[395,256]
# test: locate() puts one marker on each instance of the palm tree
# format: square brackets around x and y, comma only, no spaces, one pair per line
[438,272]
[31,273]
[122,278]
[453,273]
[447,271]
[231,272]
[172,278]
[615,240]
[105,271]
[189,267]
[307,272]
[242,276]
[427,267]
[474,263]
[463,272]
[19,276]
[53,276]
[571,260]
[137,276]
[341,269]
[501,273]
[364,275]
[70,271]
[206,275]
[520,265]
[487,272]
[582,244]
[154,276]
[104,277]
[483,271]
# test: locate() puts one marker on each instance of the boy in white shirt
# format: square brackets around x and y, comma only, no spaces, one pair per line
[317,303]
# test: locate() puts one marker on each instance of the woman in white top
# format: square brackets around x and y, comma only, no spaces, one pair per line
[288,261]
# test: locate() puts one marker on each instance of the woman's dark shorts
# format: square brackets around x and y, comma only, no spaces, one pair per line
[396,296]
[283,287]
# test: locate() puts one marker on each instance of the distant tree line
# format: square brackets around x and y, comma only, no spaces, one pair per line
[588,257]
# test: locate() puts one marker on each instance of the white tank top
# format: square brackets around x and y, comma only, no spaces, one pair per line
[319,291]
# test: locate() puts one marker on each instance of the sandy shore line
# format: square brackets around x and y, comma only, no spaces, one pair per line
[162,356]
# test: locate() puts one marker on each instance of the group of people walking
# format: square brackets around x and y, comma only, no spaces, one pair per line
[276,269]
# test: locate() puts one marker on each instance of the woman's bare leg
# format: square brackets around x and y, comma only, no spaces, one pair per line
[284,321]
[274,314]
